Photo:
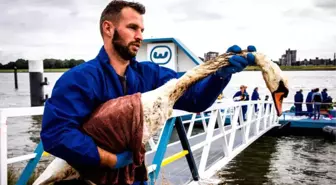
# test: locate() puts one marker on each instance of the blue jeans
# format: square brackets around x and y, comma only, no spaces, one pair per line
[317,108]
[255,107]
[309,109]
[244,109]
[298,109]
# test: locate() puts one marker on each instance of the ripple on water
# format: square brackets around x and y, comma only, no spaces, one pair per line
[283,160]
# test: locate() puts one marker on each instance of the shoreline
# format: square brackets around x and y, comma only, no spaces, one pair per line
[249,68]
[297,68]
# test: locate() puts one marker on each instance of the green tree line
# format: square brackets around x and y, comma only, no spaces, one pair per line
[49,63]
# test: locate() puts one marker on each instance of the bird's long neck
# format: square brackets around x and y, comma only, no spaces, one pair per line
[197,73]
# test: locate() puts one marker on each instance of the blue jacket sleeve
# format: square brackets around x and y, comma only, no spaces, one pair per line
[199,96]
[71,103]
[237,94]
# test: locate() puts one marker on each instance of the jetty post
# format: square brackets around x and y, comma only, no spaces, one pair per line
[15,78]
[36,84]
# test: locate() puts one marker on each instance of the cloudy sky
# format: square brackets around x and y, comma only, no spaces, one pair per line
[38,29]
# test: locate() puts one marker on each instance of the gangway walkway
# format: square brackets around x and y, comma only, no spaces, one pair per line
[193,159]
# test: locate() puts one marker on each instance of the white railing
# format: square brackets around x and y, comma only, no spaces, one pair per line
[4,160]
[262,121]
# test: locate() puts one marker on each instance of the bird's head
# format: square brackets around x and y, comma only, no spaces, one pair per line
[275,80]
[278,95]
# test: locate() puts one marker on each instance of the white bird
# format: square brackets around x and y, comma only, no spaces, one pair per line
[158,103]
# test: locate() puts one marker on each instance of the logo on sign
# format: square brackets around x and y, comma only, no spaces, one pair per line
[161,54]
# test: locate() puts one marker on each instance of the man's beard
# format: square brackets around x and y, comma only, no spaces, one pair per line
[123,51]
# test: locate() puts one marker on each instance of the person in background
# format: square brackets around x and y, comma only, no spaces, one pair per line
[324,93]
[298,99]
[317,100]
[242,95]
[309,103]
[255,97]
[325,98]
[329,102]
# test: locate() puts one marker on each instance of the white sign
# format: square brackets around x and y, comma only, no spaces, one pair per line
[163,54]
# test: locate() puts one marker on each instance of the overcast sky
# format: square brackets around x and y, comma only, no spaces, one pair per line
[38,29]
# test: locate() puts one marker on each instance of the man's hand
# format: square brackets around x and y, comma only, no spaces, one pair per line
[115,161]
[237,63]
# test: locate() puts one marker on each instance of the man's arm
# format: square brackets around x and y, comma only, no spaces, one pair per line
[199,96]
[237,94]
[72,101]
[203,94]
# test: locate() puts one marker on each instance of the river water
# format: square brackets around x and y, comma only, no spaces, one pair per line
[269,160]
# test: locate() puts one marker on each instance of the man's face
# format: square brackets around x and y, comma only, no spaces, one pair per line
[128,34]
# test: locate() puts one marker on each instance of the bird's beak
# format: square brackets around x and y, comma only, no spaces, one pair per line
[278,96]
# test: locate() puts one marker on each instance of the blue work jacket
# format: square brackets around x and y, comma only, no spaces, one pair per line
[80,90]
[255,95]
[239,93]
[324,95]
[298,97]
[309,97]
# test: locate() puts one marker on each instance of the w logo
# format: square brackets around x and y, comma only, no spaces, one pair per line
[161,54]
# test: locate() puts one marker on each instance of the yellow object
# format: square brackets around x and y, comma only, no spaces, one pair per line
[45,154]
[174,157]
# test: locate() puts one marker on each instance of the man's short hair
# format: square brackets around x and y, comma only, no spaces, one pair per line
[113,9]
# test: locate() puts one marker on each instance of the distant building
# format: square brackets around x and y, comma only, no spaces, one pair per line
[282,60]
[289,58]
[210,55]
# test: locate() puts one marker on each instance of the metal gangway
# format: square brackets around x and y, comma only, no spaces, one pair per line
[193,159]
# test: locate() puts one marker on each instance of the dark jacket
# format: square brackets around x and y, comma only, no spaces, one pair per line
[80,90]
[255,95]
[309,96]
[298,97]
[324,95]
[317,97]
[245,95]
